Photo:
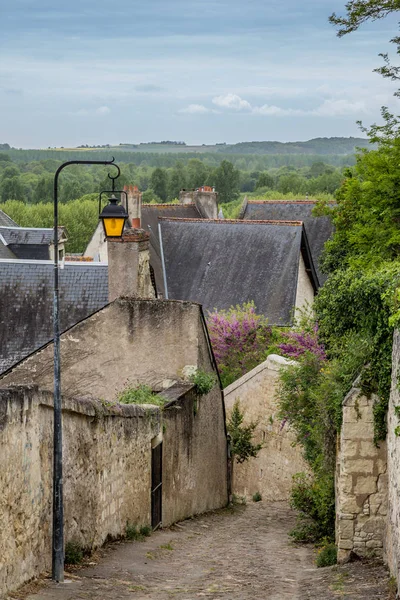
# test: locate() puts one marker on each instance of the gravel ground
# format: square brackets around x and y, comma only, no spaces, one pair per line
[237,554]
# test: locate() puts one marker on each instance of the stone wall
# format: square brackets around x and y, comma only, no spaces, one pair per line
[392,546]
[361,481]
[107,469]
[194,456]
[107,463]
[271,472]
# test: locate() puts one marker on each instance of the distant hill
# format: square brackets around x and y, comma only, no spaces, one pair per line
[333,145]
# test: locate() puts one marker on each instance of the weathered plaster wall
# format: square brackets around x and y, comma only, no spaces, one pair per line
[361,481]
[194,456]
[126,343]
[392,545]
[107,463]
[97,247]
[270,473]
[305,291]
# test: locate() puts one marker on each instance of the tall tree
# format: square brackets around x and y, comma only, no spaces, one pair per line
[158,183]
[176,181]
[226,180]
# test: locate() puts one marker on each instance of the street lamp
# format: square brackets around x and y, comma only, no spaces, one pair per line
[58,507]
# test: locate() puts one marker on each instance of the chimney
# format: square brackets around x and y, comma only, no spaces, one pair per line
[186,196]
[129,266]
[134,205]
[205,198]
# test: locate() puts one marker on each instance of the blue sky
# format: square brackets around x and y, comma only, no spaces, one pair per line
[202,71]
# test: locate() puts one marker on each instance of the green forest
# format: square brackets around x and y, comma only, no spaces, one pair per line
[26,186]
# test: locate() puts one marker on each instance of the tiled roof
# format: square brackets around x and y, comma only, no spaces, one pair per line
[26,298]
[6,221]
[224,263]
[318,229]
[29,235]
[150,215]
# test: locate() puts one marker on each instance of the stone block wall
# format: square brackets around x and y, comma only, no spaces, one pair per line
[361,481]
[392,545]
[107,470]
[271,472]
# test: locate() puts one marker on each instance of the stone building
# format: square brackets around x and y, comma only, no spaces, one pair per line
[123,464]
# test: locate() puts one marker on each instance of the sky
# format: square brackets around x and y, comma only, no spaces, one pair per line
[200,71]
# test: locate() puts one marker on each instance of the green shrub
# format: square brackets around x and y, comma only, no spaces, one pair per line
[142,394]
[241,435]
[204,382]
[257,497]
[133,533]
[73,553]
[327,555]
[314,498]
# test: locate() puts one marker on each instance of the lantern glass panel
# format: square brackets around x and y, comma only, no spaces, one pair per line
[113,226]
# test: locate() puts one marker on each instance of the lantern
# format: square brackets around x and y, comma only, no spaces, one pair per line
[114,217]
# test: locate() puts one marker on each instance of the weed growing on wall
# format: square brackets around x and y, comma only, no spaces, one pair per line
[204,382]
[142,394]
[242,444]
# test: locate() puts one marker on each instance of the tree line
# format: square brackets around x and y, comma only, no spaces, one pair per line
[32,182]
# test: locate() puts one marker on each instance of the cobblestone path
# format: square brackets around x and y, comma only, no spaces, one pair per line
[238,554]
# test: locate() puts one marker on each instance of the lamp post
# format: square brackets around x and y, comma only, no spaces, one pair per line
[58,508]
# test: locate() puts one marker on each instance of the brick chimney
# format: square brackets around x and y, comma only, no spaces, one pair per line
[129,266]
[205,198]
[134,208]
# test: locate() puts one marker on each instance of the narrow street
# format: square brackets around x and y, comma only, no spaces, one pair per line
[237,554]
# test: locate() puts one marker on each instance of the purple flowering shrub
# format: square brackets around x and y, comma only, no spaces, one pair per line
[297,343]
[240,338]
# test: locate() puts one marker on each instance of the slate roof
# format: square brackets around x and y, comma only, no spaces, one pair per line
[224,263]
[29,235]
[149,222]
[5,251]
[6,221]
[26,296]
[318,229]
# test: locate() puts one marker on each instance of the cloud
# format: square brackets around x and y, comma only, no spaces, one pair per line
[331,107]
[149,88]
[195,109]
[232,101]
[102,110]
[272,110]
[339,108]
